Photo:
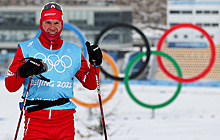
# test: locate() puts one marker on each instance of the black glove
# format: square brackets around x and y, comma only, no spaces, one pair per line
[95,53]
[32,67]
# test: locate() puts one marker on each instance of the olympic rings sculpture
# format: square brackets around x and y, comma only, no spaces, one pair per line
[179,79]
[115,75]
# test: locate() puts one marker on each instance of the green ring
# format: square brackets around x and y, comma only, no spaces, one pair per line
[126,79]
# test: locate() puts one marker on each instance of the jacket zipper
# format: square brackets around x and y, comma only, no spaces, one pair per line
[51,46]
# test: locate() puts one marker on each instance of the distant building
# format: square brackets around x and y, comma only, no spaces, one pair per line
[203,13]
[22,23]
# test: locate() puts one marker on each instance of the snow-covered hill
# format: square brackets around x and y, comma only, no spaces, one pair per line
[194,115]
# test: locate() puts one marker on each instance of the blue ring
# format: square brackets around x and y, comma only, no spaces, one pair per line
[75,30]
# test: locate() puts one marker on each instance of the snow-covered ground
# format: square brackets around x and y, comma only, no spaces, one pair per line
[194,115]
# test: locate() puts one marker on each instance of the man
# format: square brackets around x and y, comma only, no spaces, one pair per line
[49,112]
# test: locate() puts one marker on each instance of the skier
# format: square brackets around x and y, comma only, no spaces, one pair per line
[49,111]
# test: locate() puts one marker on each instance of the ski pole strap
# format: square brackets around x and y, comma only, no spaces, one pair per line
[35,105]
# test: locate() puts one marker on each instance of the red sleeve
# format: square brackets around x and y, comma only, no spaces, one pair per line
[86,75]
[13,81]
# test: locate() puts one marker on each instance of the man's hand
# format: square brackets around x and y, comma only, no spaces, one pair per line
[95,53]
[32,67]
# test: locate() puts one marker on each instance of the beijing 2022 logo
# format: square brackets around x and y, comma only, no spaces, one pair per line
[60,64]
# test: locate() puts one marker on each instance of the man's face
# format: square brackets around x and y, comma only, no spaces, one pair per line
[52,26]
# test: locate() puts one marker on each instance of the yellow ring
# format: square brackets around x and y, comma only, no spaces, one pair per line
[115,72]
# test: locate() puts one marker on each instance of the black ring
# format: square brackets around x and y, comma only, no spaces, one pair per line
[148,52]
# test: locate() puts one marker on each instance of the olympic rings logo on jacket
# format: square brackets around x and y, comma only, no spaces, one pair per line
[67,63]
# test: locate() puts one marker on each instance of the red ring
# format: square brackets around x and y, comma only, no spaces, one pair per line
[208,68]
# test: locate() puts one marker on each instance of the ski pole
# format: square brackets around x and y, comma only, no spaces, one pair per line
[100,101]
[24,102]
